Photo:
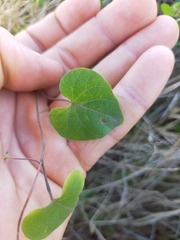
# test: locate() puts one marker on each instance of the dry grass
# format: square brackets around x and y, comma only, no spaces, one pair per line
[17,14]
[133,192]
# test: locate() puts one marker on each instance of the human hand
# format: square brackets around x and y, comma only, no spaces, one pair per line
[122,43]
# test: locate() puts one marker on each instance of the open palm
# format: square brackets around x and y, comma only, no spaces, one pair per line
[124,42]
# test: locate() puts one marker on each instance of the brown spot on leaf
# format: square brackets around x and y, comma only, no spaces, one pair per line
[103,120]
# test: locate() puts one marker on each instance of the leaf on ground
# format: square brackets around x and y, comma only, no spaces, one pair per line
[94,110]
[167,10]
[39,223]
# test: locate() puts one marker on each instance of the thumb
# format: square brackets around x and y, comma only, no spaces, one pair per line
[22,69]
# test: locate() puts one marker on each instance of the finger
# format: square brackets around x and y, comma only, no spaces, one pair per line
[136,92]
[117,63]
[163,31]
[22,69]
[100,35]
[66,18]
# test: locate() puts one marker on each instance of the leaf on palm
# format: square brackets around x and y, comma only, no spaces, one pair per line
[94,110]
[42,222]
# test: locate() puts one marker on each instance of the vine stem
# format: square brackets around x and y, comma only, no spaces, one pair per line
[41,165]
[16,158]
[55,99]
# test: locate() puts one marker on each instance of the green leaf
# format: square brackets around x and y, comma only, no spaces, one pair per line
[94,110]
[167,10]
[41,3]
[39,223]
[176,10]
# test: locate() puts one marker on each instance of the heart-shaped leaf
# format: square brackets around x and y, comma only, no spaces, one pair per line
[94,110]
[39,223]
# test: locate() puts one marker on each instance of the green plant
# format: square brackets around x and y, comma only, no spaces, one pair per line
[37,224]
[93,112]
[173,10]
